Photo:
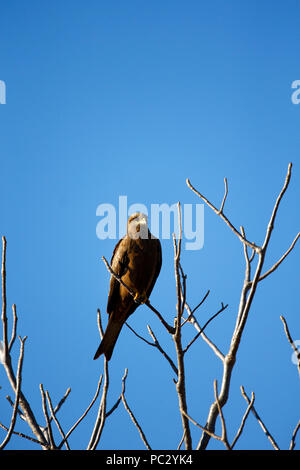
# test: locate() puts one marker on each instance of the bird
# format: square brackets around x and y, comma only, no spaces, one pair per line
[137,260]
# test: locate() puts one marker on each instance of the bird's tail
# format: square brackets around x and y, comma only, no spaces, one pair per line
[109,339]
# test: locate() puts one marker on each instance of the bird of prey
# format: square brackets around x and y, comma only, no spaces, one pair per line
[137,261]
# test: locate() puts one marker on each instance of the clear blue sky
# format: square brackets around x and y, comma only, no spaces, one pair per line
[131,98]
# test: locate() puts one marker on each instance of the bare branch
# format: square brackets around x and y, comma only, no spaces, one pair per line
[7,364]
[200,303]
[181,441]
[240,430]
[223,307]
[99,321]
[25,436]
[49,427]
[225,196]
[101,415]
[177,253]
[247,296]
[61,402]
[17,396]
[53,416]
[163,352]
[292,445]
[83,415]
[14,328]
[224,432]
[224,218]
[248,266]
[276,265]
[275,209]
[156,344]
[271,439]
[143,437]
[11,402]
[195,323]
[288,335]
[188,319]
[180,383]
[139,336]
[182,290]
[4,316]
[115,406]
[211,434]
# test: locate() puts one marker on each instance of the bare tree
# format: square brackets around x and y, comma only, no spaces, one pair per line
[44,435]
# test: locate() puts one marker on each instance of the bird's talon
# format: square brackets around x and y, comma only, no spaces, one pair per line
[140,298]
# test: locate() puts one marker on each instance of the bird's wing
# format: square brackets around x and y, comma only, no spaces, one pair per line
[119,263]
[158,265]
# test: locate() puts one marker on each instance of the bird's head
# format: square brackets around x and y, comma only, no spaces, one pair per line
[137,226]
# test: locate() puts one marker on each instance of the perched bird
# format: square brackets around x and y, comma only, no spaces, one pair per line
[137,261]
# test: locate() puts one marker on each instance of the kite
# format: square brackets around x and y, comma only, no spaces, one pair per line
[137,260]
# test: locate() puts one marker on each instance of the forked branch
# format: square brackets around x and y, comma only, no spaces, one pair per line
[246,297]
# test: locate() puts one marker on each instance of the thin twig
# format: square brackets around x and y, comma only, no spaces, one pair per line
[163,352]
[114,407]
[276,206]
[7,364]
[180,383]
[292,444]
[61,402]
[183,290]
[288,335]
[271,439]
[126,406]
[181,441]
[156,345]
[196,308]
[4,316]
[278,263]
[224,218]
[248,266]
[48,422]
[17,396]
[201,302]
[101,415]
[195,323]
[223,307]
[225,196]
[54,417]
[224,431]
[99,322]
[25,436]
[11,402]
[139,336]
[211,434]
[14,328]
[83,415]
[240,430]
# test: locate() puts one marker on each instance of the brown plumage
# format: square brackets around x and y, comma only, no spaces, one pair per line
[137,260]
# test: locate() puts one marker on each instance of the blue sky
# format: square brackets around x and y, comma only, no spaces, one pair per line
[130,98]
